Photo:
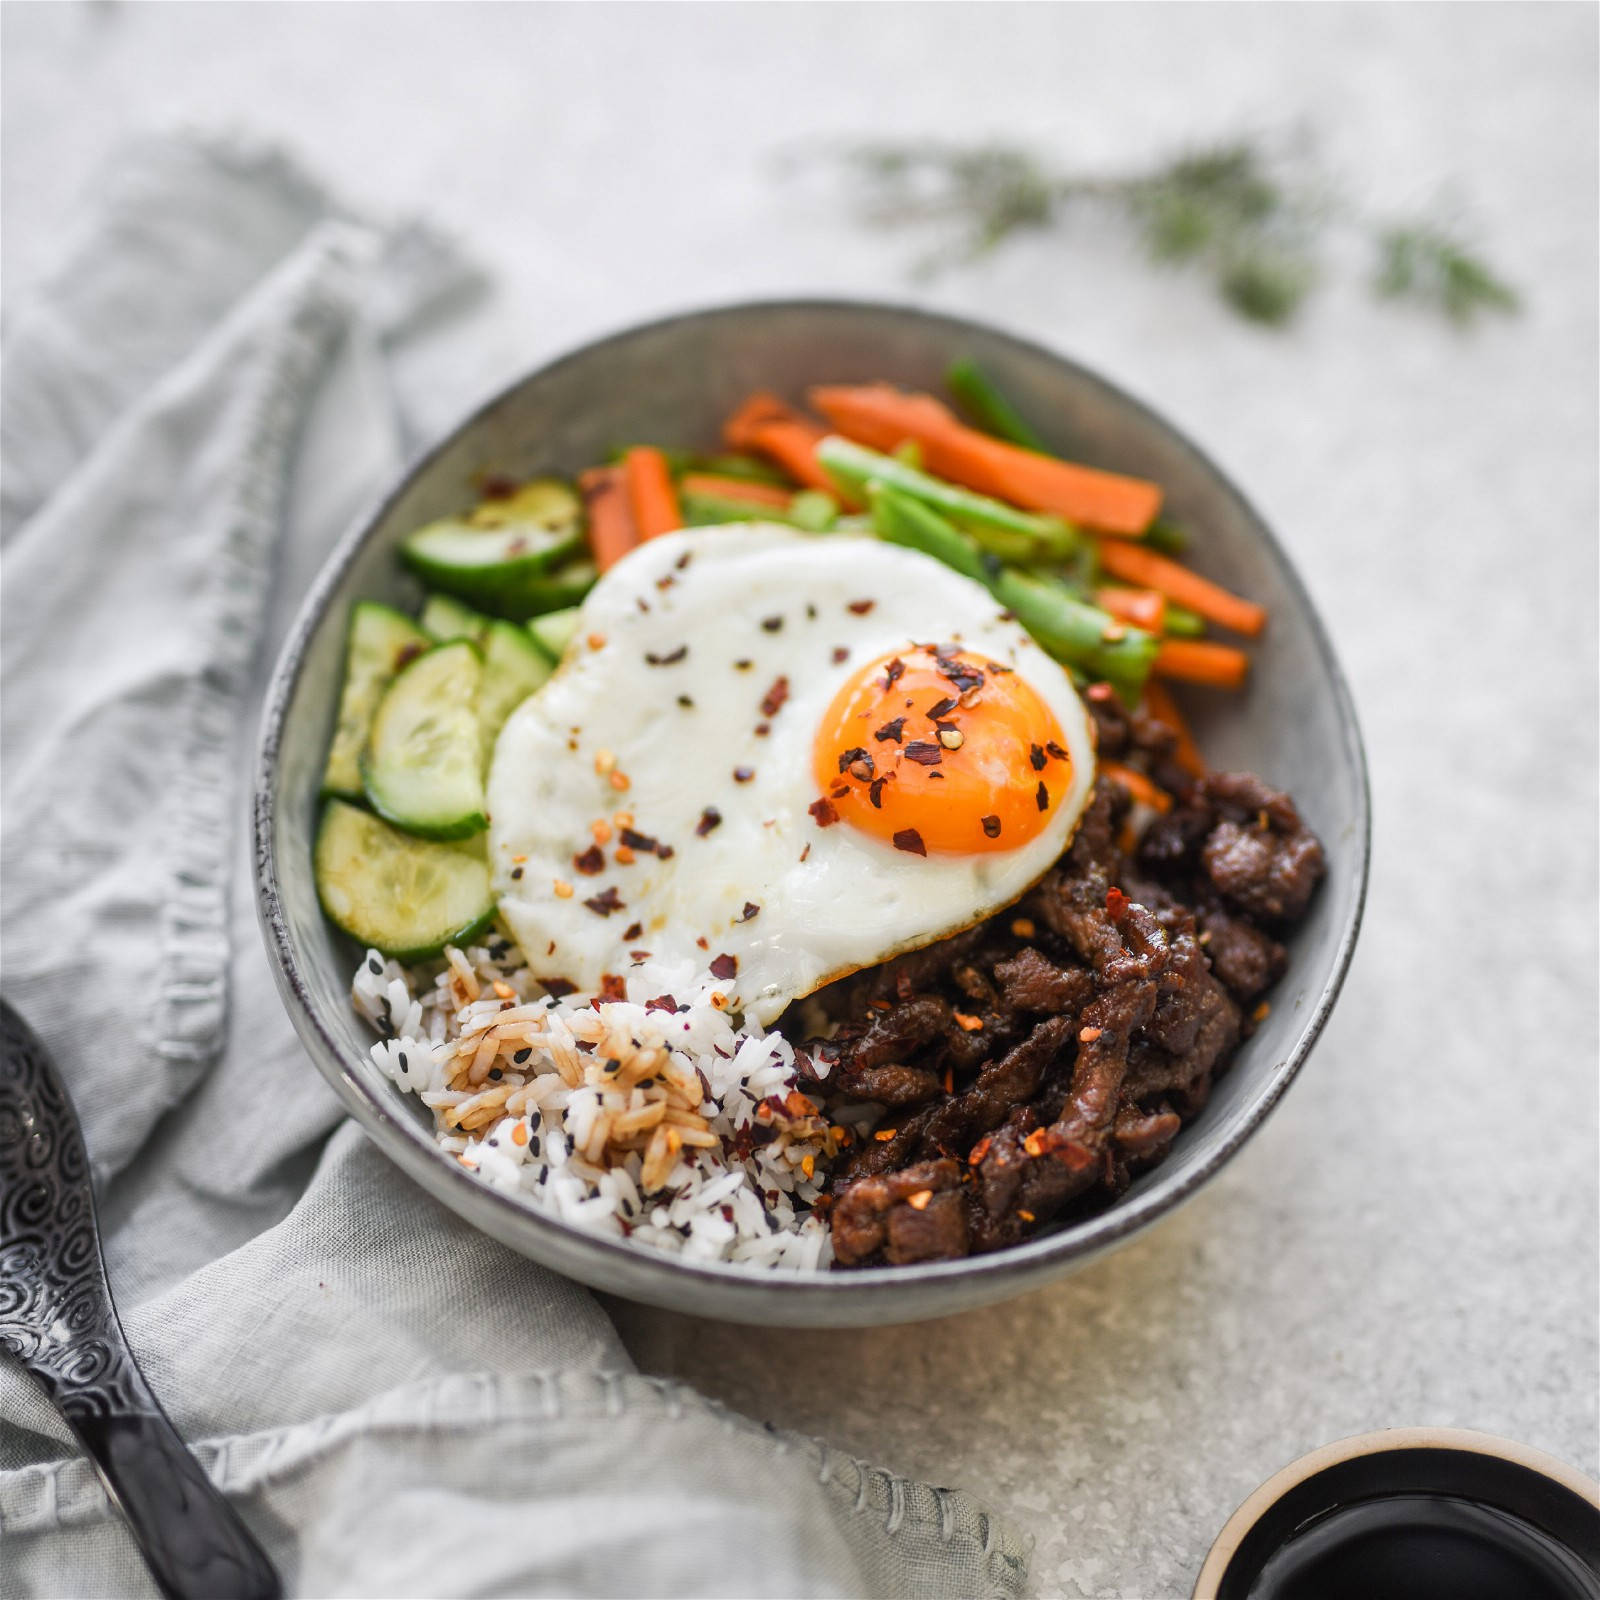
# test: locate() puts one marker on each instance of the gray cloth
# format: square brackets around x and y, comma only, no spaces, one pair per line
[194,405]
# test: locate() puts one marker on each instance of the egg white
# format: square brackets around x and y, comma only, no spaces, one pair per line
[827,900]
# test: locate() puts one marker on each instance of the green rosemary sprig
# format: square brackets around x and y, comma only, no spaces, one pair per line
[1254,224]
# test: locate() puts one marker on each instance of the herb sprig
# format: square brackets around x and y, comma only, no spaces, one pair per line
[1255,224]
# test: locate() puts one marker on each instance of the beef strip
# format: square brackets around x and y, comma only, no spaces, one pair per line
[915,1214]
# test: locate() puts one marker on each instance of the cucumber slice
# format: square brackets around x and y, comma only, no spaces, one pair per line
[421,766]
[513,667]
[554,630]
[381,641]
[559,590]
[407,897]
[445,618]
[498,554]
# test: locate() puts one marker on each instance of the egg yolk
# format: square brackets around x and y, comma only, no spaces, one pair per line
[938,749]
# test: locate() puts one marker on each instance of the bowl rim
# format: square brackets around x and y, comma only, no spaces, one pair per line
[404,1142]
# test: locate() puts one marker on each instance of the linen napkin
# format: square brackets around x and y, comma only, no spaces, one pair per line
[196,401]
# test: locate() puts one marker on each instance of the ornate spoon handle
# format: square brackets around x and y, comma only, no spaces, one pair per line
[57,1318]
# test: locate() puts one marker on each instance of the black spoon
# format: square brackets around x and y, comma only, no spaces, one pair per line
[57,1319]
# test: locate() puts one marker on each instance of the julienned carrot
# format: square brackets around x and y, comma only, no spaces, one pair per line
[605,498]
[772,428]
[1159,703]
[1140,787]
[745,489]
[881,416]
[1134,564]
[1220,666]
[651,497]
[762,407]
[1144,608]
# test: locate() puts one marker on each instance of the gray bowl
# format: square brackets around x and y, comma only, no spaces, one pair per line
[672,382]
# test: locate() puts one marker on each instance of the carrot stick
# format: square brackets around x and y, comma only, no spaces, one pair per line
[651,496]
[1140,787]
[1159,703]
[884,417]
[743,489]
[1144,608]
[1219,666]
[772,428]
[1134,564]
[611,531]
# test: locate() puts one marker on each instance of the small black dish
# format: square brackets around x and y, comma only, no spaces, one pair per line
[1413,1514]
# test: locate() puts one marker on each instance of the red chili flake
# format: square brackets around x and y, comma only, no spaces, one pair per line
[662,1002]
[849,758]
[893,673]
[557,988]
[924,753]
[517,546]
[762,729]
[670,659]
[804,853]
[683,560]
[860,607]
[825,812]
[751,909]
[775,696]
[725,966]
[643,842]
[407,653]
[604,903]
[1042,798]
[1089,1035]
[875,793]
[1116,902]
[701,941]
[1055,750]
[639,955]
[890,731]
[909,840]
[991,826]
[1036,757]
[709,819]
[840,793]
[632,931]
[743,774]
[979,1151]
[940,707]
[591,861]
[840,653]
[935,777]
[771,624]
[612,987]
[498,487]
[1100,691]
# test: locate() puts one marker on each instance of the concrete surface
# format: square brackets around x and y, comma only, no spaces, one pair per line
[1412,1239]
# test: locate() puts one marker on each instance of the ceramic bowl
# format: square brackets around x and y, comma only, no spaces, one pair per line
[672,382]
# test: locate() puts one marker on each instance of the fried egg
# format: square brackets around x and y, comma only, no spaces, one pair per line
[780,758]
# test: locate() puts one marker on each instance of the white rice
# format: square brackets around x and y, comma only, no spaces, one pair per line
[527,1091]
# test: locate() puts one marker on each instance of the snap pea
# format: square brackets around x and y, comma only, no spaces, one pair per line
[1008,533]
[989,408]
[811,510]
[1182,623]
[898,519]
[815,510]
[1078,634]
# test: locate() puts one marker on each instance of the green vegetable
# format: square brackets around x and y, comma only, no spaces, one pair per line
[811,509]
[557,591]
[513,667]
[421,768]
[406,897]
[1001,529]
[735,464]
[815,510]
[381,641]
[1182,623]
[988,407]
[553,631]
[1079,634]
[445,618]
[1167,537]
[899,519]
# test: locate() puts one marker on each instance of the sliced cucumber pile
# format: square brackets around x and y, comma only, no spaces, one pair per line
[508,555]
[513,667]
[553,631]
[445,618]
[381,641]
[422,768]
[406,897]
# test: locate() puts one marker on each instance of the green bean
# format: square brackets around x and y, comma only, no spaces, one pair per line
[735,464]
[993,412]
[1182,623]
[1008,533]
[815,510]
[812,512]
[1078,634]
[898,519]
[1167,537]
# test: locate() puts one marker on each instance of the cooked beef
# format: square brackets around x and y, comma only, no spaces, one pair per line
[1039,1059]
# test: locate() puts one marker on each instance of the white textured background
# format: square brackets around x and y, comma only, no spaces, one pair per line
[1412,1239]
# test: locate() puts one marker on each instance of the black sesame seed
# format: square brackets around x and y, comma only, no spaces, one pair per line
[404,1064]
[496,1074]
[375,966]
[523,1054]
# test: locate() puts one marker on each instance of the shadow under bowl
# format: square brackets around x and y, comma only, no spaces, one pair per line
[672,382]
